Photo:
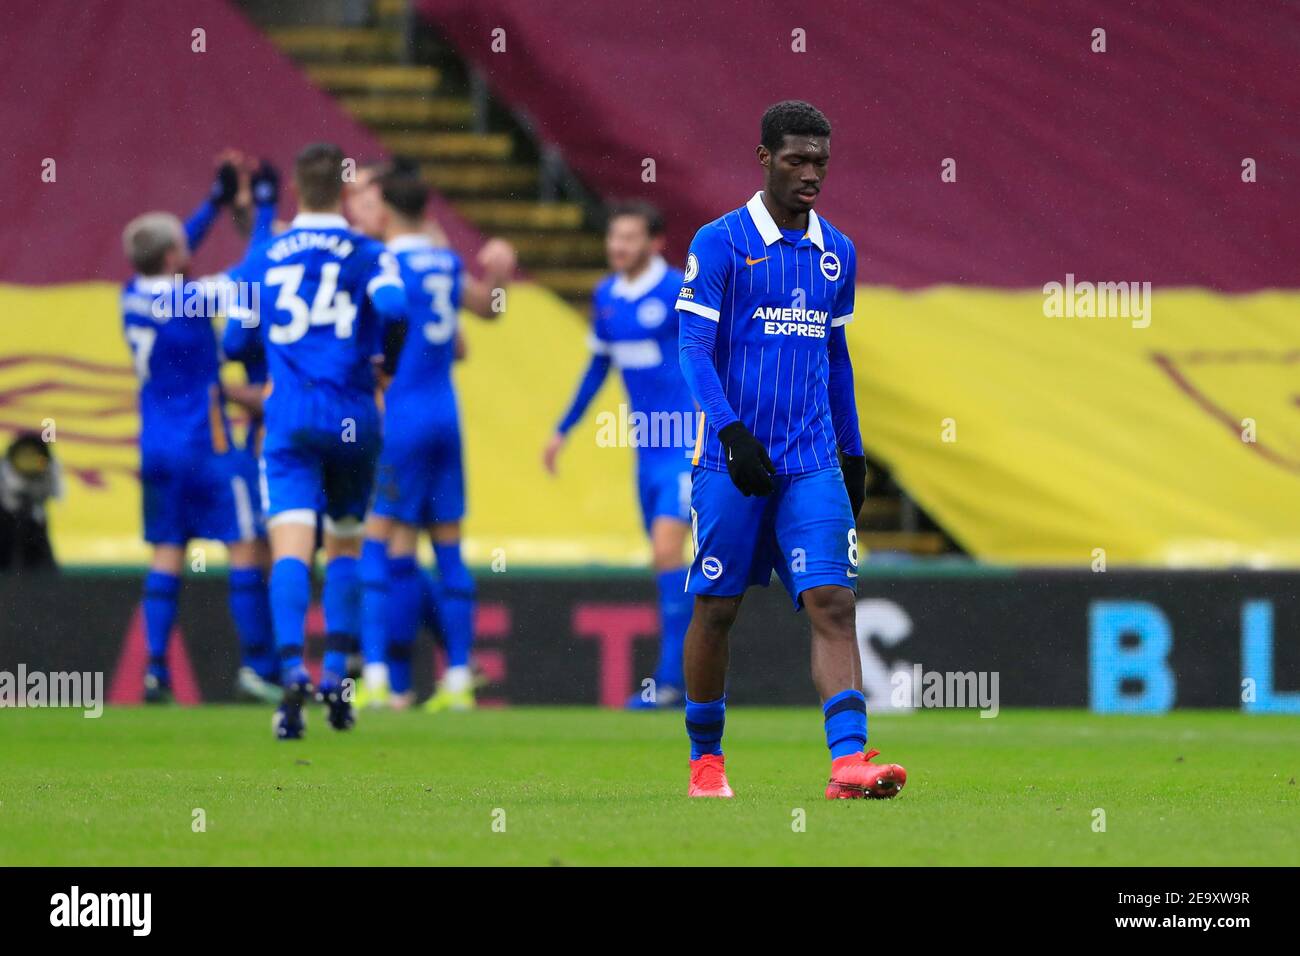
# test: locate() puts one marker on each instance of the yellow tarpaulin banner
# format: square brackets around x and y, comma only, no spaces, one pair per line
[1030,438]
[63,361]
[1058,440]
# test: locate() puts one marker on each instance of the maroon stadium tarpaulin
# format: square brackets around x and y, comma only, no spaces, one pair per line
[115,94]
[1126,162]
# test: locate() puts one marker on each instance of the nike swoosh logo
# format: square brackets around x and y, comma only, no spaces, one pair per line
[754,262]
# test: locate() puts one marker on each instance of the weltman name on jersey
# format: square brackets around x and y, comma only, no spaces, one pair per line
[809,323]
[335,243]
[134,910]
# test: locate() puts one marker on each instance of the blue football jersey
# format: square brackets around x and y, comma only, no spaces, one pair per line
[773,296]
[313,314]
[177,362]
[432,276]
[635,325]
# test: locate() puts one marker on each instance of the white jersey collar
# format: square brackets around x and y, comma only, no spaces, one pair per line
[654,274]
[770,232]
[318,220]
[410,240]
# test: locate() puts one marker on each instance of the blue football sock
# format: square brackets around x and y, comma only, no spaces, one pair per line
[290,595]
[341,597]
[160,594]
[846,723]
[674,618]
[373,573]
[406,586]
[704,723]
[455,603]
[250,606]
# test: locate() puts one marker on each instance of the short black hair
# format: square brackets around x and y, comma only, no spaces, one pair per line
[318,172]
[791,118]
[654,219]
[404,189]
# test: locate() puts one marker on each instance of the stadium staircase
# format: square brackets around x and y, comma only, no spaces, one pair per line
[391,71]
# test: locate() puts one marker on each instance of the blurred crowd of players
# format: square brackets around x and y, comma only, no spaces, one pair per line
[363,451]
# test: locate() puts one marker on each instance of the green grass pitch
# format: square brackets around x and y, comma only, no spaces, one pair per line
[595,787]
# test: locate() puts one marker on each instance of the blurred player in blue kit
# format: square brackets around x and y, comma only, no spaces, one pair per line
[195,482]
[331,308]
[780,472]
[420,479]
[634,328]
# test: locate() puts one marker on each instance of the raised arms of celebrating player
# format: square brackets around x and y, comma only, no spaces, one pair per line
[497,260]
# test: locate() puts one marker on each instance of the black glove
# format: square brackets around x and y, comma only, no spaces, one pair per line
[266,185]
[226,185]
[854,468]
[747,462]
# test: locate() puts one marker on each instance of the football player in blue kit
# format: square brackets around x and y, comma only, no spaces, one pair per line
[634,328]
[331,307]
[780,471]
[420,480]
[195,484]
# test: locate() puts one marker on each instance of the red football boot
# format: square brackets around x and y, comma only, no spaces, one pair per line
[854,776]
[709,777]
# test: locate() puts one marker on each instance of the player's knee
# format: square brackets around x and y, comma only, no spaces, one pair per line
[715,615]
[243,554]
[832,609]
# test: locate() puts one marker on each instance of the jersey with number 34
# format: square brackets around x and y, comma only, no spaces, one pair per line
[314,317]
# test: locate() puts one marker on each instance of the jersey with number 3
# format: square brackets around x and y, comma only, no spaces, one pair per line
[314,318]
[422,385]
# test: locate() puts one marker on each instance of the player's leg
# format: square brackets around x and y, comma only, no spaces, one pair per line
[291,480]
[341,602]
[165,501]
[405,608]
[250,607]
[728,529]
[401,488]
[818,541]
[348,472]
[665,492]
[238,524]
[161,589]
[454,592]
[374,575]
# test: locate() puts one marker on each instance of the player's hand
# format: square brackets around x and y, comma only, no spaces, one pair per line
[226,186]
[854,468]
[551,453]
[750,468]
[266,185]
[497,259]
